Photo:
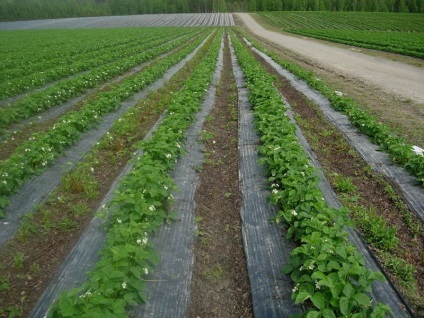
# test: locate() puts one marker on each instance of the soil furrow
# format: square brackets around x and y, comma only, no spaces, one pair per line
[220,286]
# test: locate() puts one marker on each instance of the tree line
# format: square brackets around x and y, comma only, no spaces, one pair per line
[13,10]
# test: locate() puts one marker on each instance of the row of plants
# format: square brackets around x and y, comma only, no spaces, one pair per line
[76,86]
[34,155]
[395,146]
[328,271]
[82,63]
[28,47]
[332,20]
[41,65]
[390,32]
[77,196]
[392,241]
[405,43]
[139,208]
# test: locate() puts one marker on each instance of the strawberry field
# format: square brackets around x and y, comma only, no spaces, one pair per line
[171,171]
[397,33]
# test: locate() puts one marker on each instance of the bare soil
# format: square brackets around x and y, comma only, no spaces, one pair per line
[220,286]
[337,156]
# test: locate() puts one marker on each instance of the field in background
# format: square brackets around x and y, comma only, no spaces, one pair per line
[397,33]
[127,21]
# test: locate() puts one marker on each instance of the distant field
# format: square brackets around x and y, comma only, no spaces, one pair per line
[391,32]
[126,21]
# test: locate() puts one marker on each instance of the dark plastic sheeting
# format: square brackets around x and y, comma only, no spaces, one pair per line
[265,248]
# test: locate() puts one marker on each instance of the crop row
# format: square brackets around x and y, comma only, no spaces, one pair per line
[19,80]
[372,21]
[18,85]
[66,61]
[405,43]
[34,155]
[397,33]
[138,209]
[326,269]
[395,146]
[57,45]
[67,89]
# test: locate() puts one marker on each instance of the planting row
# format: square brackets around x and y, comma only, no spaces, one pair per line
[138,209]
[373,21]
[69,88]
[397,33]
[327,271]
[16,83]
[26,48]
[34,155]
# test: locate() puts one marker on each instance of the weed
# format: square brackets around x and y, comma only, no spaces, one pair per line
[80,209]
[18,260]
[215,272]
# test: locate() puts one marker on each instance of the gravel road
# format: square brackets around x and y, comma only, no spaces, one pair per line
[398,78]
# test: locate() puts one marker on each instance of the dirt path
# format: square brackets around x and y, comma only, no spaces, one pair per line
[392,77]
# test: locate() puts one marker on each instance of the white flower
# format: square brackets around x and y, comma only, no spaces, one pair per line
[5,174]
[119,220]
[92,169]
[338,93]
[311,267]
[4,181]
[138,241]
[145,240]
[302,173]
[146,271]
[165,187]
[168,155]
[275,191]
[317,286]
[418,150]
[214,142]
[124,285]
[178,145]
[293,212]
[152,208]
[27,150]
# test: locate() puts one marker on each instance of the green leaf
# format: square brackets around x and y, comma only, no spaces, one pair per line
[345,306]
[313,314]
[348,290]
[362,299]
[327,313]
[302,296]
[318,300]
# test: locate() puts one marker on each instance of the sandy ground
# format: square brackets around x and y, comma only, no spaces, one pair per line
[398,78]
